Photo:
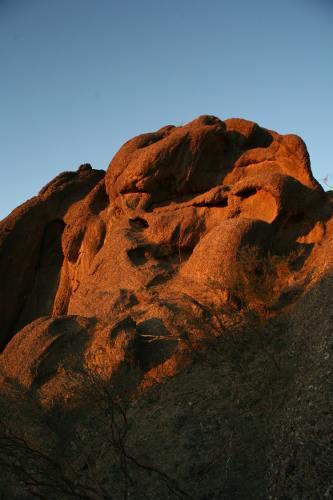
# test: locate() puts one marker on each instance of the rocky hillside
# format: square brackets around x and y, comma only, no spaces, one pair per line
[166,326]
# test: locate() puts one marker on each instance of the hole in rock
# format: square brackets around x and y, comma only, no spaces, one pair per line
[246,193]
[137,256]
[218,204]
[139,223]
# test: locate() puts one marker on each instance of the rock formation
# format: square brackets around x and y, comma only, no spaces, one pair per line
[138,277]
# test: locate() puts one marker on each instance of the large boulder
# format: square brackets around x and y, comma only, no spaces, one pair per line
[177,204]
[136,278]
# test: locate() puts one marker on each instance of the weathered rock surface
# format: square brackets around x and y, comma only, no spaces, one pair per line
[31,255]
[137,275]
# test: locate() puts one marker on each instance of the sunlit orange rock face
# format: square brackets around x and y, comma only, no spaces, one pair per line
[193,282]
[98,263]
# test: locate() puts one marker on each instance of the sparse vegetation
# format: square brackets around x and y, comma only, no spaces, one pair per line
[94,462]
[326,181]
[261,279]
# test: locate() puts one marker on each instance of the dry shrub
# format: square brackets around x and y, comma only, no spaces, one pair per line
[74,451]
[261,279]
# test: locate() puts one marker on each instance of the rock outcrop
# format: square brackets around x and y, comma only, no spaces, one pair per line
[31,255]
[134,276]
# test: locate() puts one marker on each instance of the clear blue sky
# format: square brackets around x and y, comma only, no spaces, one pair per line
[80,77]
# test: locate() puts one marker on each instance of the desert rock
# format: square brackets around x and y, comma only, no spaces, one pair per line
[137,277]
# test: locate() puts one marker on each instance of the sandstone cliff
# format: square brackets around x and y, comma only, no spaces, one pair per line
[166,325]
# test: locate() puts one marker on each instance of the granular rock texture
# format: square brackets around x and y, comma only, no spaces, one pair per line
[31,255]
[191,281]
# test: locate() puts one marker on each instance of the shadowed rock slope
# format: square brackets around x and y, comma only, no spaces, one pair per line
[165,326]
